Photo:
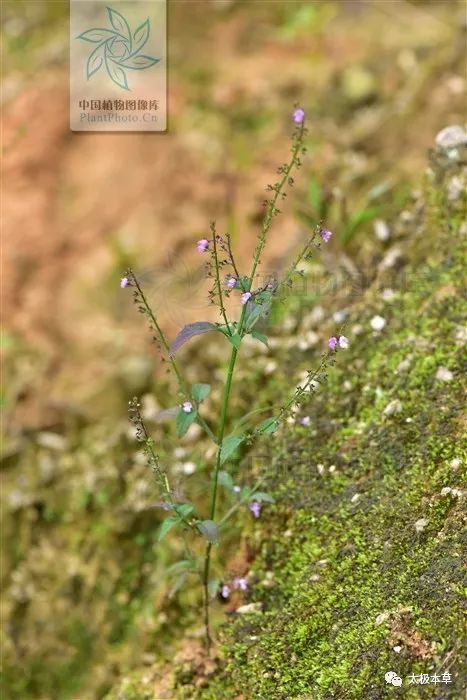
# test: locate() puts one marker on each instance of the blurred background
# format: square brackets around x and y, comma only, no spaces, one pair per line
[378,80]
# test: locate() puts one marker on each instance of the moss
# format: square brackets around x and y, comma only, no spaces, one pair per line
[358,588]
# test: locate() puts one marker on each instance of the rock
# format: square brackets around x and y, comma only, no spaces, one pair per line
[443,374]
[404,365]
[382,617]
[250,608]
[451,137]
[381,230]
[393,407]
[52,441]
[377,323]
[421,524]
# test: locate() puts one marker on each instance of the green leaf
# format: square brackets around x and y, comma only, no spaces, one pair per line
[268,426]
[224,479]
[179,566]
[184,420]
[167,525]
[257,309]
[261,337]
[209,529]
[234,340]
[356,220]
[245,494]
[200,391]
[262,496]
[183,510]
[229,445]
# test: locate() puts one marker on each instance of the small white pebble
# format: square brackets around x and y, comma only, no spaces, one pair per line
[443,374]
[378,323]
[461,334]
[397,649]
[332,468]
[381,230]
[271,367]
[249,608]
[455,463]
[340,316]
[393,407]
[421,524]
[382,617]
[404,365]
[315,577]
[409,420]
[188,468]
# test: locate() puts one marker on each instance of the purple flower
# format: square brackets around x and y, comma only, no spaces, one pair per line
[231,282]
[225,591]
[332,342]
[255,508]
[202,245]
[237,489]
[343,342]
[306,420]
[325,234]
[240,583]
[299,116]
[187,407]
[124,282]
[245,297]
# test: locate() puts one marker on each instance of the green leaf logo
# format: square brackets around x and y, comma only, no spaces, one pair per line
[118,49]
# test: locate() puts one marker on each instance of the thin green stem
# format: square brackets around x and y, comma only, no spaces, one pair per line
[218,280]
[212,510]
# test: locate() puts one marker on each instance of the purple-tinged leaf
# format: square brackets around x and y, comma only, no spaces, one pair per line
[209,529]
[190,331]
